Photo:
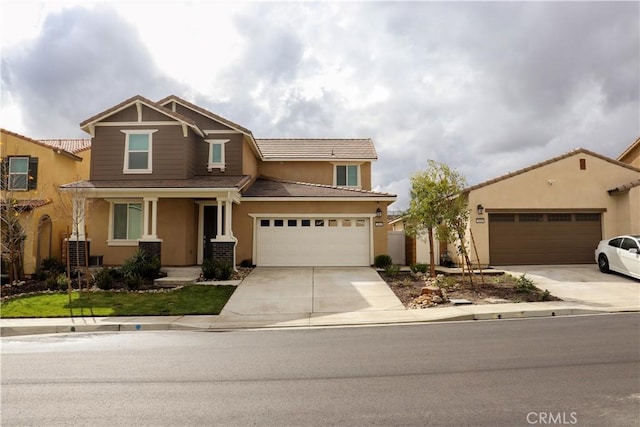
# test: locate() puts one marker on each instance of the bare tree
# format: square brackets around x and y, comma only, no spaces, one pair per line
[72,208]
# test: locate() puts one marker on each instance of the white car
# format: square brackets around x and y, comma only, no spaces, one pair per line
[620,254]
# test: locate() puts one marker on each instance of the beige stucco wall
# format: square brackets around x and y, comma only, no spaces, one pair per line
[243,222]
[559,185]
[249,160]
[316,172]
[177,227]
[53,170]
[632,157]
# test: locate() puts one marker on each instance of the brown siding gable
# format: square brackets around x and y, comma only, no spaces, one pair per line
[139,99]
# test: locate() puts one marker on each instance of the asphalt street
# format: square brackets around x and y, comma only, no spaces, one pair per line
[570,371]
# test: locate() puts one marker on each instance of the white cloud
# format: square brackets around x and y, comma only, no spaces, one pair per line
[484,87]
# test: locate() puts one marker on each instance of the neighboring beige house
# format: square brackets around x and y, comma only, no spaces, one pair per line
[186,184]
[555,212]
[632,154]
[32,170]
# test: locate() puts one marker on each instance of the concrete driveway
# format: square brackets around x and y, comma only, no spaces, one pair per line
[305,290]
[584,284]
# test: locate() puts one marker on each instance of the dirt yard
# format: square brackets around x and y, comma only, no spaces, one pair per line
[497,288]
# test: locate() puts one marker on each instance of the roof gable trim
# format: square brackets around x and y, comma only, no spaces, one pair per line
[548,162]
[138,101]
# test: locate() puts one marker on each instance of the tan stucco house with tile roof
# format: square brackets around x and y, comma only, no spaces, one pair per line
[556,211]
[32,170]
[553,212]
[179,181]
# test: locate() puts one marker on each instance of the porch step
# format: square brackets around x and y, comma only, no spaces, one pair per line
[178,276]
[170,282]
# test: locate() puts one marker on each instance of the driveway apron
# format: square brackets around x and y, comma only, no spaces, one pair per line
[584,284]
[306,290]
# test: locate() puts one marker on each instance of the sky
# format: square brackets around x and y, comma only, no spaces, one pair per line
[485,87]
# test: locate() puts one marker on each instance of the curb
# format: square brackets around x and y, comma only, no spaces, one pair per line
[11,331]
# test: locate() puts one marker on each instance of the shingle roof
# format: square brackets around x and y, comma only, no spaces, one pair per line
[317,149]
[266,187]
[226,181]
[546,162]
[71,145]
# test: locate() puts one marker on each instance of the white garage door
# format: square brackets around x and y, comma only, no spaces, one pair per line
[313,241]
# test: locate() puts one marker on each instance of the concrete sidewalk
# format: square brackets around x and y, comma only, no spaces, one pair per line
[583,291]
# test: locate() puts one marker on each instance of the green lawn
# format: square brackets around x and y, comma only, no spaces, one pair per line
[188,300]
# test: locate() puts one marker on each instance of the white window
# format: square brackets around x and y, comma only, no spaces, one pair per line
[138,151]
[347,175]
[216,154]
[18,173]
[126,221]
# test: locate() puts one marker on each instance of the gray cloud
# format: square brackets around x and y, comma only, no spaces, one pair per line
[487,88]
[83,62]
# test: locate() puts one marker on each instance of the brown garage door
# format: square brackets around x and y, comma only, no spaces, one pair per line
[543,238]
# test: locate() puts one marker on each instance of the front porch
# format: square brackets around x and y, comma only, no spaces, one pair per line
[180,229]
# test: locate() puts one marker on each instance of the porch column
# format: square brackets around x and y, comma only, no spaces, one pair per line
[154,218]
[227,224]
[145,218]
[219,222]
[150,206]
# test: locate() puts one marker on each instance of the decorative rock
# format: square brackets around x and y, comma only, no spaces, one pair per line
[430,290]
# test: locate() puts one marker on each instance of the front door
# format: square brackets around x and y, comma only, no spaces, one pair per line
[210,230]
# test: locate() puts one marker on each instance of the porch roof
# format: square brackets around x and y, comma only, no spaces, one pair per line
[266,187]
[230,182]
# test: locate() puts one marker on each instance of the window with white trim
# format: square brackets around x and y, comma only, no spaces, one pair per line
[126,221]
[347,175]
[138,151]
[18,173]
[216,158]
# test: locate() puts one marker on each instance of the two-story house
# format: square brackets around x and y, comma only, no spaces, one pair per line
[179,181]
[32,171]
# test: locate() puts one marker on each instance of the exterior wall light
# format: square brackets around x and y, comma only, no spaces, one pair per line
[480,209]
[378,213]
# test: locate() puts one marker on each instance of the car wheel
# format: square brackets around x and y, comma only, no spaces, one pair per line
[603,263]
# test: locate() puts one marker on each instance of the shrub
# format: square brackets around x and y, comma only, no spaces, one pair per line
[208,269]
[546,295]
[216,269]
[382,261]
[50,267]
[133,282]
[103,279]
[419,268]
[141,264]
[53,265]
[446,282]
[391,270]
[224,270]
[525,285]
[63,282]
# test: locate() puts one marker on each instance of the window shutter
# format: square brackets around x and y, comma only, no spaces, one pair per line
[33,173]
[5,173]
